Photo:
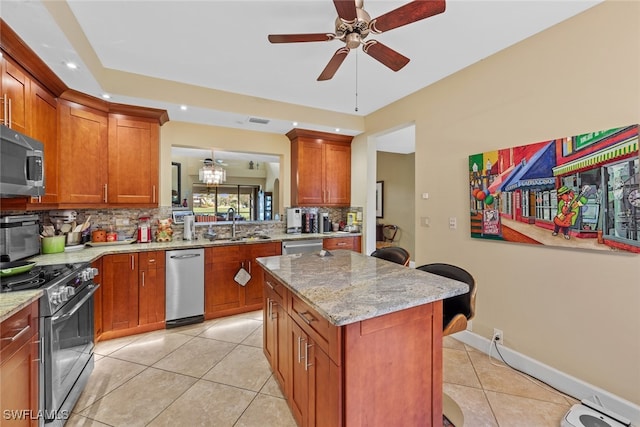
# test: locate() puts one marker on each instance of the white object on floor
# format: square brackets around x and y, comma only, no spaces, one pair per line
[588,414]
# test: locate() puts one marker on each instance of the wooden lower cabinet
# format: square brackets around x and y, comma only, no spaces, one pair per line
[353,243]
[378,372]
[133,293]
[19,363]
[223,295]
[276,330]
[151,290]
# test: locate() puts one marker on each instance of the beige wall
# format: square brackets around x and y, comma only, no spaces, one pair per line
[398,172]
[218,138]
[574,310]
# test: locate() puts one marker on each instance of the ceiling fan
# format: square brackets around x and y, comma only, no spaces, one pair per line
[354,24]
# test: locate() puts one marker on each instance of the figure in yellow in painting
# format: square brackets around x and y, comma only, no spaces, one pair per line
[568,209]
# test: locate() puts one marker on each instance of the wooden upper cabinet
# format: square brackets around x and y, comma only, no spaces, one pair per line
[133,160]
[15,96]
[82,154]
[44,128]
[320,168]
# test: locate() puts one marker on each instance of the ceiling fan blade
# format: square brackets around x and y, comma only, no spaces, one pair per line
[334,63]
[300,38]
[410,12]
[385,55]
[346,9]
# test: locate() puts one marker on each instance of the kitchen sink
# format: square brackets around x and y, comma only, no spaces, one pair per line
[249,238]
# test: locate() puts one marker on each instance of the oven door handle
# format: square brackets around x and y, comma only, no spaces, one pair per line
[80,303]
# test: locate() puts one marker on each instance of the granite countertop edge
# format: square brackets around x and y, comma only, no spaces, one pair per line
[331,302]
[13,302]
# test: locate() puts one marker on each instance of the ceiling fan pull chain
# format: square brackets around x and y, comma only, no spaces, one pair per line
[356,81]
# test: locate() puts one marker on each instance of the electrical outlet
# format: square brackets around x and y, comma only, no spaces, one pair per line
[498,336]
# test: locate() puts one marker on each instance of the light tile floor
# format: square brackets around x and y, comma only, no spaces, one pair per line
[215,374]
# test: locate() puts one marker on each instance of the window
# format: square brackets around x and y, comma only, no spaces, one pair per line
[217,200]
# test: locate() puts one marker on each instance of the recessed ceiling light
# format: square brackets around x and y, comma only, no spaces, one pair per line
[106,96]
[183,107]
[71,65]
[337,129]
[295,123]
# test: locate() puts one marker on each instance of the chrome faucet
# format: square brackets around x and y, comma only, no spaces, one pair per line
[231,212]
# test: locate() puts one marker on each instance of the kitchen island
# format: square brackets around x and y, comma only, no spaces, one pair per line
[354,340]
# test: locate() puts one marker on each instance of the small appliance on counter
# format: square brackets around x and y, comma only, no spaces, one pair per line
[189,232]
[325,223]
[294,220]
[19,237]
[144,229]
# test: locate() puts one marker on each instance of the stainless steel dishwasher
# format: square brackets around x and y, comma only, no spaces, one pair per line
[301,246]
[185,287]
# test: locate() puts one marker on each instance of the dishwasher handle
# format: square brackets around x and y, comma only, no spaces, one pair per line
[185,256]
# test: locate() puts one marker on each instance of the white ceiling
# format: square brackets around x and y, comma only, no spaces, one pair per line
[223,45]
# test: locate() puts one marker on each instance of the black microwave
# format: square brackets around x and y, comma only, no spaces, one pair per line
[21,164]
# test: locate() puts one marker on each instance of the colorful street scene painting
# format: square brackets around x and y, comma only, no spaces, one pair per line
[580,191]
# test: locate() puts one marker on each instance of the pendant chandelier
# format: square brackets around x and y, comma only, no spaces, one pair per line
[212,173]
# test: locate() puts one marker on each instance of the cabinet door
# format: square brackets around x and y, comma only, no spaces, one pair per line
[82,160]
[275,336]
[15,94]
[299,379]
[337,174]
[97,300]
[307,187]
[44,128]
[221,292]
[152,287]
[120,292]
[253,289]
[133,160]
[19,385]
[19,356]
[324,390]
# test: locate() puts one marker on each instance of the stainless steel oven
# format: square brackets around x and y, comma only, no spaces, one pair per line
[66,334]
[67,348]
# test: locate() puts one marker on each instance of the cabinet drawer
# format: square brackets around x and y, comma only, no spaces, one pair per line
[151,260]
[17,330]
[277,287]
[310,321]
[338,243]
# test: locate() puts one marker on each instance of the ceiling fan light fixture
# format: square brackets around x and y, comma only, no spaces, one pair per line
[212,174]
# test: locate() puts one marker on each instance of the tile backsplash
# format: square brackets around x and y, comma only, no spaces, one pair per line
[125,221]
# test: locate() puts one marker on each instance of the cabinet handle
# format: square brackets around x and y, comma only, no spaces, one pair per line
[300,339]
[19,334]
[306,357]
[154,194]
[249,263]
[304,317]
[269,308]
[105,193]
[4,110]
[143,279]
[9,125]
[37,342]
[271,315]
[341,244]
[269,284]
[133,263]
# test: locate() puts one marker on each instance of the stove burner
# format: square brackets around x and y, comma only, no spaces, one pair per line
[37,277]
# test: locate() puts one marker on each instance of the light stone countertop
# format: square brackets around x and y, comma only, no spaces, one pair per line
[349,287]
[13,302]
[89,254]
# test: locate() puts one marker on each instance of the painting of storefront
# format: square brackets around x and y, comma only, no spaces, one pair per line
[581,192]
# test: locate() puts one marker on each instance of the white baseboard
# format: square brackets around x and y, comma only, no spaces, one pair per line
[565,383]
